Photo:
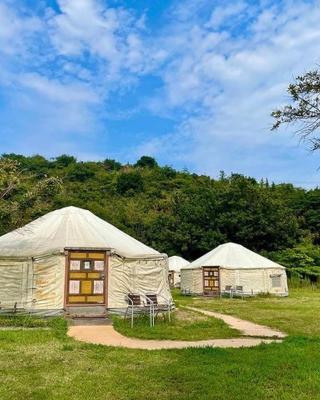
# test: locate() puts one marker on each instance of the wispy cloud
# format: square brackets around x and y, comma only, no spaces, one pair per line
[59,66]
[214,69]
[230,84]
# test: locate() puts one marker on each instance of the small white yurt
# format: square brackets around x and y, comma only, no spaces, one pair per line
[175,265]
[232,267]
[70,259]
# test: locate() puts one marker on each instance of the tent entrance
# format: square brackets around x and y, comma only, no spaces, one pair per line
[86,273]
[211,281]
[171,279]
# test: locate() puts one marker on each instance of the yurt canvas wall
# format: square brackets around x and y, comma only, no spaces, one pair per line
[143,275]
[33,284]
[232,265]
[175,265]
[71,257]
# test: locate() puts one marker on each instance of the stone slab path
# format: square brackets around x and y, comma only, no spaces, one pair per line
[107,335]
[245,327]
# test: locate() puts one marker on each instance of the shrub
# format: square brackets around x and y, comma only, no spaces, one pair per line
[129,183]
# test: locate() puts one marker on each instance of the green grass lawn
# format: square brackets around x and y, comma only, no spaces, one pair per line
[46,364]
[27,321]
[184,325]
[297,314]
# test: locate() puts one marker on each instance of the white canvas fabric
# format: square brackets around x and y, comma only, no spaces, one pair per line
[191,281]
[233,256]
[69,227]
[32,261]
[36,284]
[141,276]
[176,263]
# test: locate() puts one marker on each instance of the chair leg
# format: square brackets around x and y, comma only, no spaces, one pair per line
[151,316]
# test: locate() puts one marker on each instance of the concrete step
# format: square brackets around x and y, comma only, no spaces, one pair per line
[86,312]
[89,321]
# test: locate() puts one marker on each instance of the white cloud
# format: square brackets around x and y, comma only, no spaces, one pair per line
[109,35]
[58,68]
[57,91]
[15,31]
[84,43]
[222,14]
[85,25]
[229,85]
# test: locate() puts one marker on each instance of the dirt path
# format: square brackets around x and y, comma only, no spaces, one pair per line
[245,327]
[106,335]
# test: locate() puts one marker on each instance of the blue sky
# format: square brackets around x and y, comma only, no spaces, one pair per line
[190,82]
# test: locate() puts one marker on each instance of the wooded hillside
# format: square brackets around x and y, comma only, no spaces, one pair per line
[176,212]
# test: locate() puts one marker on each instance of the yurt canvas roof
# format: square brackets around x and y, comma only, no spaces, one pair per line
[233,256]
[69,227]
[176,263]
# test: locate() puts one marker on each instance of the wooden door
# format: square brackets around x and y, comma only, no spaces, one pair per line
[86,278]
[171,279]
[211,281]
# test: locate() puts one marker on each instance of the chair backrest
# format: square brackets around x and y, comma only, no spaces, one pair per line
[153,298]
[135,299]
[228,287]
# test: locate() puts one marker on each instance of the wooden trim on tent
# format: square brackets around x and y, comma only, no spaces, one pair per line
[213,277]
[171,279]
[86,277]
[66,263]
[106,278]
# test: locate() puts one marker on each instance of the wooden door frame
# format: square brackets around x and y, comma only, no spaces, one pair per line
[66,276]
[219,280]
[171,274]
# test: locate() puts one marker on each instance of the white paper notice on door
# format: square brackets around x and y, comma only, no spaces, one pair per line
[99,265]
[98,287]
[75,265]
[87,264]
[74,287]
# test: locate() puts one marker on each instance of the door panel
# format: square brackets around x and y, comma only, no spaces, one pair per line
[86,272]
[211,281]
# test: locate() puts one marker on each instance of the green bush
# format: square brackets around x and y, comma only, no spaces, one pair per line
[129,183]
[146,161]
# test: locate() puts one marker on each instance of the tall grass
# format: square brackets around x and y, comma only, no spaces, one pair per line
[295,282]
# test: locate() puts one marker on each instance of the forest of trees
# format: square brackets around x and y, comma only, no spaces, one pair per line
[175,212]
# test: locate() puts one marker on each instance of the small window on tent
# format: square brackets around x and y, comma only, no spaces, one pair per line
[275,281]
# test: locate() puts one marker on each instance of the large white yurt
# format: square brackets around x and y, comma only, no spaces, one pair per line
[232,267]
[70,259]
[175,265]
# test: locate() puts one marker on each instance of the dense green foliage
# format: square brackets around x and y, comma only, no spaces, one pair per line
[302,262]
[24,193]
[175,212]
